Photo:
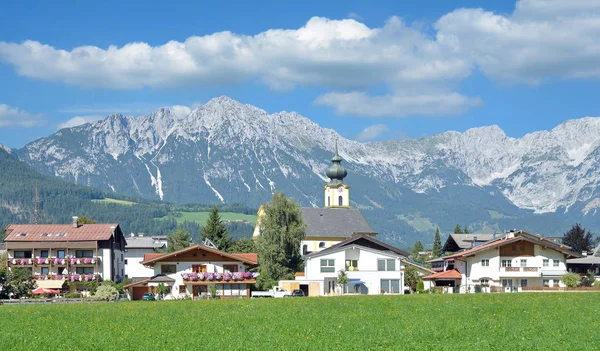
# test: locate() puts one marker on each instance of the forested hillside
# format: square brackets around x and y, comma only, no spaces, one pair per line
[59,201]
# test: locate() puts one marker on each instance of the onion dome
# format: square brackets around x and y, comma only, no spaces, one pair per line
[336,171]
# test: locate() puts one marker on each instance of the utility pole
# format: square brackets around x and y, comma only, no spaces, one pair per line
[36,204]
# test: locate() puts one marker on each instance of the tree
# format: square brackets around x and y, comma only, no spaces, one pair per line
[415,253]
[243,245]
[106,292]
[342,279]
[466,230]
[437,244]
[578,239]
[278,246]
[179,239]
[412,278]
[571,280]
[85,220]
[589,279]
[161,291]
[19,282]
[215,230]
[458,229]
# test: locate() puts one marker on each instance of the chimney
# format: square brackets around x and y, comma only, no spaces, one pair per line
[474,241]
[584,254]
[75,221]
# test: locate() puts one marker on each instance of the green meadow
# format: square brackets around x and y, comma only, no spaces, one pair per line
[526,321]
[115,201]
[201,217]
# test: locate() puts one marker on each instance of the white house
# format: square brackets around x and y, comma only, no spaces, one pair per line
[514,261]
[56,253]
[135,249]
[371,266]
[336,221]
[190,272]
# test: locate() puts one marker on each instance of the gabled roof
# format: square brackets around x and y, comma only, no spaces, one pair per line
[335,222]
[249,256]
[136,242]
[451,274]
[59,232]
[514,237]
[152,255]
[167,257]
[365,241]
[590,259]
[465,241]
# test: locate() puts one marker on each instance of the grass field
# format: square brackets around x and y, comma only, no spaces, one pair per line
[201,217]
[526,321]
[115,201]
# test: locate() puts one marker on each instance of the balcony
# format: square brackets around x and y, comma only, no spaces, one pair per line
[520,272]
[45,261]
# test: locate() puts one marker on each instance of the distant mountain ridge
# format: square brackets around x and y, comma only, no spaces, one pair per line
[225,151]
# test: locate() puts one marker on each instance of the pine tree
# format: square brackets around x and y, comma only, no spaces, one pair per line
[179,239]
[578,239]
[466,230]
[415,252]
[215,230]
[278,246]
[458,229]
[437,244]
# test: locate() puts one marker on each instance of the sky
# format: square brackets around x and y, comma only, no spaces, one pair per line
[371,70]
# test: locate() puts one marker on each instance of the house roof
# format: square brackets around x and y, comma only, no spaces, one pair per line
[136,242]
[591,259]
[249,256]
[48,232]
[335,222]
[168,256]
[162,278]
[465,241]
[152,255]
[451,274]
[514,237]
[362,240]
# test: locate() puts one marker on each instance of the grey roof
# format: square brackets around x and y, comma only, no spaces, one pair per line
[161,278]
[136,242]
[591,259]
[365,241]
[465,241]
[335,222]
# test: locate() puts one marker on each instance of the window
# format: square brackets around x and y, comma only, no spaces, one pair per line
[61,234]
[327,266]
[506,263]
[22,234]
[230,268]
[60,253]
[546,282]
[484,282]
[304,249]
[546,262]
[45,270]
[125,261]
[235,289]
[340,201]
[199,268]
[523,263]
[226,289]
[485,262]
[84,253]
[351,265]
[329,201]
[22,254]
[523,283]
[44,253]
[556,262]
[321,245]
[84,270]
[44,234]
[390,286]
[182,289]
[387,264]
[168,269]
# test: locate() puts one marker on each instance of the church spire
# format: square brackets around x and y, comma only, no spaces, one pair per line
[336,171]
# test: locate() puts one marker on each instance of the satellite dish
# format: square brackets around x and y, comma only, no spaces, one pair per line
[209,243]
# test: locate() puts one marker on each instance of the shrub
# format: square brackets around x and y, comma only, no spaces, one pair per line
[73,295]
[212,290]
[589,279]
[477,288]
[571,280]
[597,284]
[106,292]
[420,287]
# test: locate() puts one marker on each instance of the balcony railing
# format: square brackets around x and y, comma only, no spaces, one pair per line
[351,268]
[520,269]
[51,261]
[69,277]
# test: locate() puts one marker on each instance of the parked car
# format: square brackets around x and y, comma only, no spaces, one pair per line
[298,293]
[148,297]
[275,292]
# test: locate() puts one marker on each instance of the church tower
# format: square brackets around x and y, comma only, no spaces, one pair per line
[337,194]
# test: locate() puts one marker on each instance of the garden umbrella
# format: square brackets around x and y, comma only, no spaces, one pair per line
[40,291]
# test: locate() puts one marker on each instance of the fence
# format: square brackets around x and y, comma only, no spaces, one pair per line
[53,301]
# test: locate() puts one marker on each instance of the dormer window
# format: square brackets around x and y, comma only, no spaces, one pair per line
[22,234]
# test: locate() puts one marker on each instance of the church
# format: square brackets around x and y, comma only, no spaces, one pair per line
[336,221]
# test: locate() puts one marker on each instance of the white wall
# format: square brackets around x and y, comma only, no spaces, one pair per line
[313,245]
[105,263]
[133,268]
[367,268]
[333,194]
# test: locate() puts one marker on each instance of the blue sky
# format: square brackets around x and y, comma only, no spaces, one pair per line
[370,70]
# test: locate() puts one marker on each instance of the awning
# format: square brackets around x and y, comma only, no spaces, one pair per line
[355,281]
[50,284]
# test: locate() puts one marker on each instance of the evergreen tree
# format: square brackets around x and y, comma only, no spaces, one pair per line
[466,230]
[458,229]
[215,230]
[578,239]
[179,239]
[415,252]
[437,244]
[278,246]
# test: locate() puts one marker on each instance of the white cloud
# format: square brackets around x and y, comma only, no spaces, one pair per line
[180,111]
[372,132]
[355,15]
[15,117]
[78,120]
[540,40]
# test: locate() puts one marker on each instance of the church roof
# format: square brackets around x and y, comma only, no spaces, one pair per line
[335,222]
[336,171]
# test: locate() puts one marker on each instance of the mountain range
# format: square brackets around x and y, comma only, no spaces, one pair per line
[228,152]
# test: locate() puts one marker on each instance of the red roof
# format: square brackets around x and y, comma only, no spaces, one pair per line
[170,255]
[451,274]
[248,256]
[152,255]
[54,232]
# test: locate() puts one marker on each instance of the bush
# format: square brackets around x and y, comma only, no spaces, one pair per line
[571,280]
[420,287]
[588,280]
[73,295]
[106,292]
[477,288]
[597,284]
